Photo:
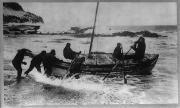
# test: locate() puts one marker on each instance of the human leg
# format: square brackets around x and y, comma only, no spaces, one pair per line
[38,67]
[48,71]
[18,68]
[30,68]
[19,72]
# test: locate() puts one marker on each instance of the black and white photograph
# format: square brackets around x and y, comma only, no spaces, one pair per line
[89,53]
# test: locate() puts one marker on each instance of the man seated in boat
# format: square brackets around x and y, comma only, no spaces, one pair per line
[36,62]
[18,60]
[69,53]
[49,62]
[118,52]
[139,47]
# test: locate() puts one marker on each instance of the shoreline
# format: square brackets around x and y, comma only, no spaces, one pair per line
[121,34]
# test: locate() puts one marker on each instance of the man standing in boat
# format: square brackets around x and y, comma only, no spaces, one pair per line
[139,47]
[118,52]
[69,53]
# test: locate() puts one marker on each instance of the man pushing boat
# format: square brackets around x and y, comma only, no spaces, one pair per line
[36,62]
[49,61]
[18,60]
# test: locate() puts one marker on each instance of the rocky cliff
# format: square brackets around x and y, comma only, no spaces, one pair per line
[22,22]
[14,13]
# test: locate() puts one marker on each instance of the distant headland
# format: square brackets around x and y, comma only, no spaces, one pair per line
[16,21]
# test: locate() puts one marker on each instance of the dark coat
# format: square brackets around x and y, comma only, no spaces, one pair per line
[139,48]
[118,53]
[69,53]
[76,64]
[18,59]
[49,62]
[37,60]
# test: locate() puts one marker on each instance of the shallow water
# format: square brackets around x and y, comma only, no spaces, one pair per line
[159,88]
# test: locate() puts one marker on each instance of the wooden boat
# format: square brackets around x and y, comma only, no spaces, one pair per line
[103,63]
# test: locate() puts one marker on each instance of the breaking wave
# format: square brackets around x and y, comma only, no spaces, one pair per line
[94,87]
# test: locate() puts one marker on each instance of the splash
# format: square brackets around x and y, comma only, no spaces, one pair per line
[70,83]
[95,89]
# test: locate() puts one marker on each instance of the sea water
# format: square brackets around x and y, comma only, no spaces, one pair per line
[159,88]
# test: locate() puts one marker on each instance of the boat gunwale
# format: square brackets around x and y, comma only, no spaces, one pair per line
[99,65]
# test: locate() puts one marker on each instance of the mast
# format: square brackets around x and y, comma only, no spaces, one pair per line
[92,37]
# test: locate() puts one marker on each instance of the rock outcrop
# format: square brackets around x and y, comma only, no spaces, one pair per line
[148,34]
[18,21]
[133,34]
[124,33]
[78,30]
[14,13]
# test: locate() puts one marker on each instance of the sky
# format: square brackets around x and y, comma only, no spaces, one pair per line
[67,14]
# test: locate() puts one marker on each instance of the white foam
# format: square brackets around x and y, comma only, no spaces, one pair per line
[70,83]
[95,88]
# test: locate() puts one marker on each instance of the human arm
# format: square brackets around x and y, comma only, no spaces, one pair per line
[134,46]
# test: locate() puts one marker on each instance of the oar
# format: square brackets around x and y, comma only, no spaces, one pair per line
[128,51]
[114,67]
[68,70]
[123,59]
[124,73]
